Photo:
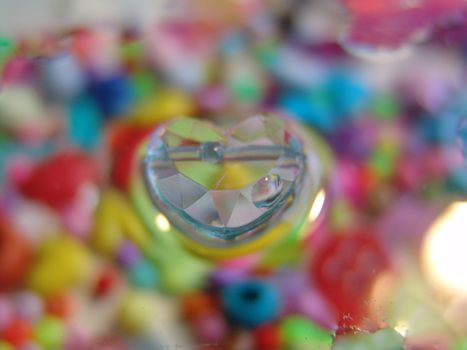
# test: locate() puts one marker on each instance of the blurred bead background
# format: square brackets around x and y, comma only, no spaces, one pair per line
[86,264]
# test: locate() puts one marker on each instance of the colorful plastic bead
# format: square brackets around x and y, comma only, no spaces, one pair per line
[18,332]
[143,274]
[61,264]
[251,303]
[344,270]
[57,180]
[60,76]
[50,333]
[84,123]
[128,254]
[61,305]
[106,282]
[299,333]
[7,312]
[29,306]
[135,313]
[211,328]
[267,337]
[113,94]
[15,256]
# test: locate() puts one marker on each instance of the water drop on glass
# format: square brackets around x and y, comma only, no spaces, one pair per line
[211,152]
[266,190]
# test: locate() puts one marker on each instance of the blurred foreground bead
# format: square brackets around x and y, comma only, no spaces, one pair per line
[299,333]
[61,263]
[15,256]
[106,282]
[29,306]
[56,181]
[135,312]
[251,303]
[113,94]
[50,333]
[7,312]
[211,328]
[144,274]
[60,76]
[61,305]
[197,304]
[84,123]
[267,337]
[164,105]
[17,333]
[344,269]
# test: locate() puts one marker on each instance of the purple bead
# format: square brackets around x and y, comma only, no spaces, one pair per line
[128,254]
[29,306]
[226,276]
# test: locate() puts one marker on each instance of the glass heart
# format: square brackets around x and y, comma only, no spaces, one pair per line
[219,183]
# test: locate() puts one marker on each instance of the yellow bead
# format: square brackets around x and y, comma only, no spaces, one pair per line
[165,104]
[107,235]
[136,312]
[116,220]
[61,263]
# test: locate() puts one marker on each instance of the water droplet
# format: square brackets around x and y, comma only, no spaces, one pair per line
[266,190]
[212,152]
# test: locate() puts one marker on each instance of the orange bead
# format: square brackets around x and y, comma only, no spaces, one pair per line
[62,306]
[198,304]
[15,257]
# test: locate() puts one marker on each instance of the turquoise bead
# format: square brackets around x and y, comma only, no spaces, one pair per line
[84,123]
[252,302]
[144,275]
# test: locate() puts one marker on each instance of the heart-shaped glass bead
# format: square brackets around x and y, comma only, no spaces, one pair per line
[223,184]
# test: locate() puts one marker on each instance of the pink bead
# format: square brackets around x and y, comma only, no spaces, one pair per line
[211,328]
[6,312]
[243,263]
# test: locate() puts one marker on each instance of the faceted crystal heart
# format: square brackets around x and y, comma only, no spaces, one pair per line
[223,183]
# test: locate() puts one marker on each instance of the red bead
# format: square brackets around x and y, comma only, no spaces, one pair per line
[344,268]
[15,256]
[57,180]
[267,337]
[17,333]
[124,143]
[106,282]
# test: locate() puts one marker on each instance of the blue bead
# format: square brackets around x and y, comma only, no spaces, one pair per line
[84,123]
[349,94]
[144,275]
[251,303]
[114,95]
[310,108]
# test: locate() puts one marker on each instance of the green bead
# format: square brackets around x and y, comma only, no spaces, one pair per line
[50,333]
[459,345]
[5,346]
[300,333]
[144,85]
[6,49]
[385,107]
